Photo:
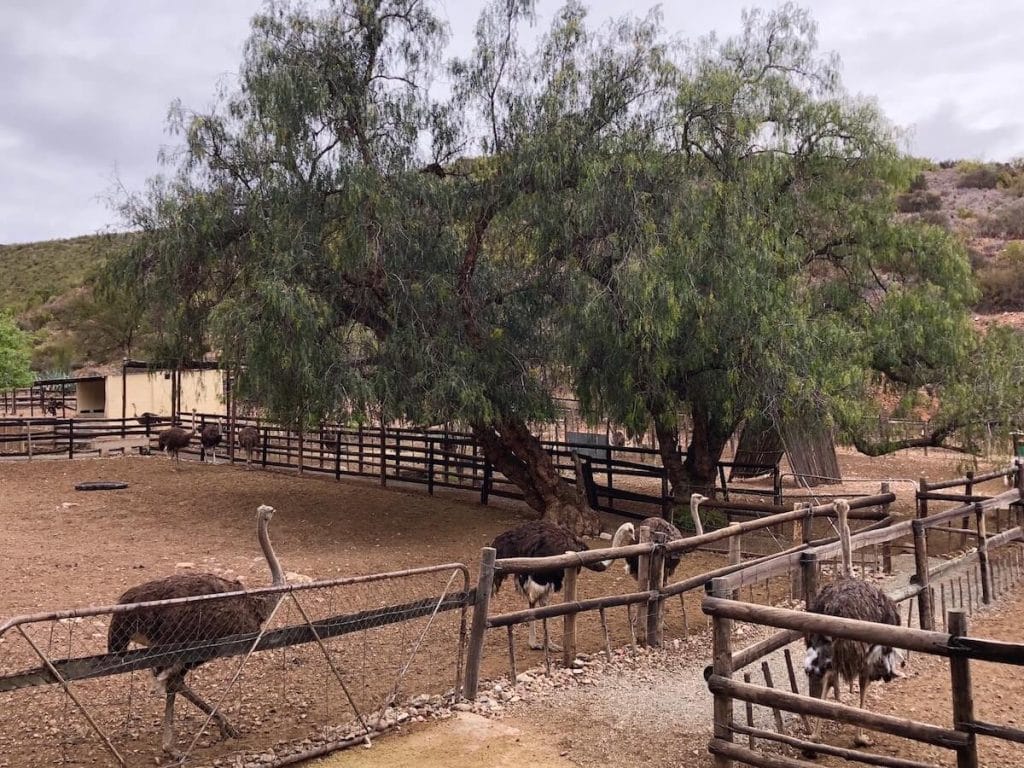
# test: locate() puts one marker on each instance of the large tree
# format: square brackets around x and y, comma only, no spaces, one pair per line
[751,264]
[348,241]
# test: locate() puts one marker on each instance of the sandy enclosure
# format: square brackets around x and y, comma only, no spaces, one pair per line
[65,549]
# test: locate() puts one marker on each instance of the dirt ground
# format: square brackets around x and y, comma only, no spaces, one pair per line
[65,549]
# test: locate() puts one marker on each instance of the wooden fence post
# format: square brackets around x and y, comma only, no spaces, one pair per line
[337,455]
[655,582]
[926,614]
[809,575]
[383,455]
[430,465]
[569,620]
[735,551]
[485,485]
[266,437]
[886,546]
[478,627]
[777,486]
[722,667]
[922,503]
[71,438]
[963,695]
[643,575]
[983,563]
[965,523]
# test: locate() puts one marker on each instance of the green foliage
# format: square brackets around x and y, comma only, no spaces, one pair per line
[1006,221]
[15,354]
[918,183]
[1002,282]
[978,177]
[918,201]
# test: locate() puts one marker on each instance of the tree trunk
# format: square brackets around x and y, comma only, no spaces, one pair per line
[696,470]
[518,454]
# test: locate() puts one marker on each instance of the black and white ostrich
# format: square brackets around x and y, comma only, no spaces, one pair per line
[249,438]
[147,418]
[207,620]
[828,660]
[538,538]
[173,439]
[210,436]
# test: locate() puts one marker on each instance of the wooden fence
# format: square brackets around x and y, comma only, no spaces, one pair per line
[619,480]
[654,593]
[953,642]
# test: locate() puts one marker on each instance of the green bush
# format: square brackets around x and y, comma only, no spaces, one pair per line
[1005,221]
[936,219]
[984,177]
[918,201]
[1002,281]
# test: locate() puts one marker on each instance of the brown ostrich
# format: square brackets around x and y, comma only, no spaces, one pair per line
[249,438]
[194,622]
[210,437]
[538,539]
[173,439]
[626,535]
[830,660]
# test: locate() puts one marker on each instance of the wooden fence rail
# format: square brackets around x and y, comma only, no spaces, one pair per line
[653,592]
[955,644]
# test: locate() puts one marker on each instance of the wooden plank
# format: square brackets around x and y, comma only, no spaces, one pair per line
[894,726]
[881,634]
[868,758]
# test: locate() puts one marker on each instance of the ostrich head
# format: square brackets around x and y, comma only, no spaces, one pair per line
[884,663]
[818,659]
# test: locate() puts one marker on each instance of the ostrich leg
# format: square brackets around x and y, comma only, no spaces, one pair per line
[168,736]
[226,729]
[862,739]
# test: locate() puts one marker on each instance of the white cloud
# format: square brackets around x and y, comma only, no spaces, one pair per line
[85,85]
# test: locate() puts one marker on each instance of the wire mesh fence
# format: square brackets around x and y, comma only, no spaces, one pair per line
[190,680]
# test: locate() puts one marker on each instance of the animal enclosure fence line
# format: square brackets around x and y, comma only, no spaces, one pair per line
[999,564]
[653,594]
[618,480]
[332,661]
[39,400]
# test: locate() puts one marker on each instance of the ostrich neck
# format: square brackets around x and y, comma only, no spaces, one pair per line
[276,574]
[845,547]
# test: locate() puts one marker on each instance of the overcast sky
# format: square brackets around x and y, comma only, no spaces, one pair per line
[85,84]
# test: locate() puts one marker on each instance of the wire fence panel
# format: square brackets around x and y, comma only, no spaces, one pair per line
[199,678]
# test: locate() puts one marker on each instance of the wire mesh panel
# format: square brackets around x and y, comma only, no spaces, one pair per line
[189,680]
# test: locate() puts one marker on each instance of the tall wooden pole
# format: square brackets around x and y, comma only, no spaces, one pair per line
[478,626]
[963,694]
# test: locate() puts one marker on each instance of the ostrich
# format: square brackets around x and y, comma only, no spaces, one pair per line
[173,439]
[827,660]
[146,418]
[538,538]
[626,535]
[193,622]
[249,438]
[209,438]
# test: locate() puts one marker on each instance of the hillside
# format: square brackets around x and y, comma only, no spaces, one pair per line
[984,204]
[34,273]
